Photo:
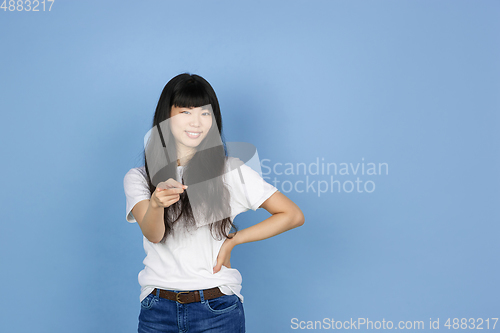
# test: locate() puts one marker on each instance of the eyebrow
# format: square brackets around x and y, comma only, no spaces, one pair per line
[189,109]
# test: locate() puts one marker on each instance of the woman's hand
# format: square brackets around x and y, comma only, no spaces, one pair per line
[167,193]
[224,256]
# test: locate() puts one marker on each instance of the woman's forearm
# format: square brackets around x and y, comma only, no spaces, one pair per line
[272,226]
[152,225]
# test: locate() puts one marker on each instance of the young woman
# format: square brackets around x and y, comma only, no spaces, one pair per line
[184,199]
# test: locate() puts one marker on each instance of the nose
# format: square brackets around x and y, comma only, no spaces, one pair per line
[195,120]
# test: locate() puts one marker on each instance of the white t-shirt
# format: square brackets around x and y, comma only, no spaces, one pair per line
[186,260]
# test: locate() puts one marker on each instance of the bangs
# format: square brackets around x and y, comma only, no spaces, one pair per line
[191,95]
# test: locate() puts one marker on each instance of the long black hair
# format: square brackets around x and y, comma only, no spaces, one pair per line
[209,161]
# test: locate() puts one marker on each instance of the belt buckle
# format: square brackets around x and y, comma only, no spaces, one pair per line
[177,296]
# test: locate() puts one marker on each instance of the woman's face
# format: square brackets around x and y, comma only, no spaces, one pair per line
[189,127]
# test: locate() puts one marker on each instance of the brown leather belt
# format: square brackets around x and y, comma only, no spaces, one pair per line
[185,297]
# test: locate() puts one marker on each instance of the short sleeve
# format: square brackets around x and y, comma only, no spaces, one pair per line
[136,190]
[251,189]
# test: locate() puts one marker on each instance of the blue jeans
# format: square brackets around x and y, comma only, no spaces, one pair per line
[223,314]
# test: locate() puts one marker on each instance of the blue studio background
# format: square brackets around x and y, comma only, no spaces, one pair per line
[410,86]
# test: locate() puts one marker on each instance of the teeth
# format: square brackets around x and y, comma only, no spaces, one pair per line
[193,134]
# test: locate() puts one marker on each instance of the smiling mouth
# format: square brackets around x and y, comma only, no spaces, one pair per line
[193,135]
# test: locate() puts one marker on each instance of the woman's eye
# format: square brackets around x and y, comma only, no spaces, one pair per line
[205,113]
